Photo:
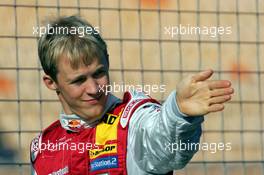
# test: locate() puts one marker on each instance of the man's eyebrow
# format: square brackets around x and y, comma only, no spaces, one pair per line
[99,67]
[77,78]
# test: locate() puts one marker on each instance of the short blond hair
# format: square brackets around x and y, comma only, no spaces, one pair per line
[62,37]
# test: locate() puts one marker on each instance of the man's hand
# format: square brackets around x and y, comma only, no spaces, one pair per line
[196,95]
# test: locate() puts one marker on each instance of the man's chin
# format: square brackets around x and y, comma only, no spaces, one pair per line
[92,114]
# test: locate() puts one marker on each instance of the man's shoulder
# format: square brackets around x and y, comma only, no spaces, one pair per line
[134,95]
[54,127]
[50,133]
[133,100]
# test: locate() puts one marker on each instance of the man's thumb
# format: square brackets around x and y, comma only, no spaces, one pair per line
[204,75]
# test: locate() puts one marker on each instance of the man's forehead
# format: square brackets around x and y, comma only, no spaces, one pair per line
[65,67]
[65,62]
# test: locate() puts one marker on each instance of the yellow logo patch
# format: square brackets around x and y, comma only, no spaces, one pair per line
[108,149]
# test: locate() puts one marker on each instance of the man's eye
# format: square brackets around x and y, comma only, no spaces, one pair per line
[79,81]
[99,74]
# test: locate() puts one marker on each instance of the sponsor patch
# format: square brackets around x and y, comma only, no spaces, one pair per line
[107,149]
[127,112]
[34,148]
[104,163]
[106,132]
[61,171]
[74,123]
[109,118]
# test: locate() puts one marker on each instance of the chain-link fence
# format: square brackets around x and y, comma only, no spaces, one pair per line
[150,42]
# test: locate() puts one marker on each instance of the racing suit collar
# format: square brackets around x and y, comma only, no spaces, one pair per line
[75,123]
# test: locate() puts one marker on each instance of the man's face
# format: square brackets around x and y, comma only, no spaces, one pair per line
[79,90]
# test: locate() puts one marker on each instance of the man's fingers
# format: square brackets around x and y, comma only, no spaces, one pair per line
[204,75]
[222,91]
[216,107]
[215,84]
[219,99]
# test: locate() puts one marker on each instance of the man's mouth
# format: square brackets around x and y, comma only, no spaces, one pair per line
[94,101]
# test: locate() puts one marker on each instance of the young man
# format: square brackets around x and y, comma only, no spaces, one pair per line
[97,133]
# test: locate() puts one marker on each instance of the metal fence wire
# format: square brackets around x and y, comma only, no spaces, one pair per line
[144,49]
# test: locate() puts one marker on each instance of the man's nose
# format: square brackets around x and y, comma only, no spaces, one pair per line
[91,86]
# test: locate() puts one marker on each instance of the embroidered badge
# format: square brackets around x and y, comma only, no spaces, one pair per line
[104,163]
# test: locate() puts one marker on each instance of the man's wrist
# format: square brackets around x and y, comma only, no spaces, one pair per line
[179,107]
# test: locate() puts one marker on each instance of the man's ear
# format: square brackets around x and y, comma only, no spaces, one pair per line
[50,83]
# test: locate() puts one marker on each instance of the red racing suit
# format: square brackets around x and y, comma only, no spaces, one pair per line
[80,150]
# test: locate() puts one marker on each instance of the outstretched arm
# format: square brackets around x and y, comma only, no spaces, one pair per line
[155,131]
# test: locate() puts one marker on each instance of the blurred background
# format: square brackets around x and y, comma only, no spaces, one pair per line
[142,52]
